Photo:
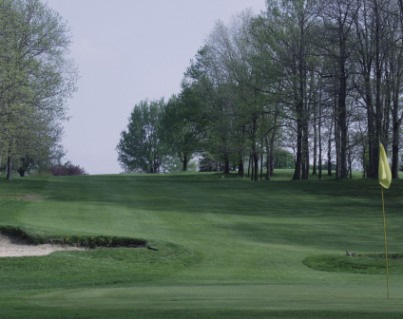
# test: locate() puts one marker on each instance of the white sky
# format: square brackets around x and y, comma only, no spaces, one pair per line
[127,51]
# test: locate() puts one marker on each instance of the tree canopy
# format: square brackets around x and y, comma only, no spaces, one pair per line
[320,80]
[36,78]
[140,148]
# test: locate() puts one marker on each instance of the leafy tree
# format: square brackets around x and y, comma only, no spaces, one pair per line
[285,36]
[182,126]
[374,41]
[283,159]
[218,103]
[140,148]
[232,94]
[35,76]
[335,42]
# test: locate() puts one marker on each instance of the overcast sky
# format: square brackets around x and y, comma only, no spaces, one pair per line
[127,51]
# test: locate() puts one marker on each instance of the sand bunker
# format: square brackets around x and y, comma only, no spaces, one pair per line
[13,247]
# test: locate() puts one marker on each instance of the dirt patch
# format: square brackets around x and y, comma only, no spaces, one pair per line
[14,247]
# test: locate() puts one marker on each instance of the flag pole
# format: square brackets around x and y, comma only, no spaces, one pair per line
[385,179]
[386,245]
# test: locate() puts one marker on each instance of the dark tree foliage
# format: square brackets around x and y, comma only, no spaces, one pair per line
[140,148]
[283,159]
[209,164]
[67,169]
[182,127]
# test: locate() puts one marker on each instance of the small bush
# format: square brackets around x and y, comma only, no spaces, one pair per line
[67,169]
[209,164]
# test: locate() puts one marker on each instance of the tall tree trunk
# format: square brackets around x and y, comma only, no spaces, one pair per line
[396,73]
[270,143]
[255,166]
[9,168]
[254,155]
[250,165]
[300,102]
[185,161]
[315,139]
[329,150]
[364,161]
[342,123]
[298,162]
[373,137]
[261,158]
[241,166]
[298,172]
[320,142]
[226,164]
[337,139]
[268,158]
[396,141]
[365,55]
[305,164]
[271,152]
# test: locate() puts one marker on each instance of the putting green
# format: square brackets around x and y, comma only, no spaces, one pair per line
[326,297]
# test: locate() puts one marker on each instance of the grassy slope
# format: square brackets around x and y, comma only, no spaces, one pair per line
[227,248]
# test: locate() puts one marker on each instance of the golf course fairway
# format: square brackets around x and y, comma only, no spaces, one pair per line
[216,248]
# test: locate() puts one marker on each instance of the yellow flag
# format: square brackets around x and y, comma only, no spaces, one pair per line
[384,173]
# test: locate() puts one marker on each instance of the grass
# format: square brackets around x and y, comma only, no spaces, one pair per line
[361,264]
[223,248]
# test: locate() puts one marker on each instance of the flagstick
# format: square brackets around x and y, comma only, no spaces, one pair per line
[386,245]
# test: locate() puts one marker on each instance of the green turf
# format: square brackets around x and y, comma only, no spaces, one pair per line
[223,248]
[361,264]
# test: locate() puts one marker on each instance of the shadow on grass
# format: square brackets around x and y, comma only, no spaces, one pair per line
[17,234]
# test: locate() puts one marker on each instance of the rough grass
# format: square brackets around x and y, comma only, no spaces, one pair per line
[224,248]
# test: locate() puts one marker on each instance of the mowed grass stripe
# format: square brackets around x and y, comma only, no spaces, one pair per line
[237,297]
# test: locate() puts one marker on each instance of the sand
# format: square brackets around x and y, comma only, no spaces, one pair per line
[12,247]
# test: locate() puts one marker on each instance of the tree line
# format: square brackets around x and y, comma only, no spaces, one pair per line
[318,78]
[36,78]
